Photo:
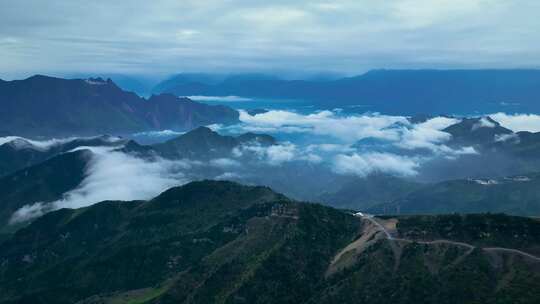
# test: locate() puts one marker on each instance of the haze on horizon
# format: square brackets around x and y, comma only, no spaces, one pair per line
[344,37]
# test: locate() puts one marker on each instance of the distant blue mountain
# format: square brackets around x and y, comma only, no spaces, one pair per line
[195,82]
[389,91]
[48,106]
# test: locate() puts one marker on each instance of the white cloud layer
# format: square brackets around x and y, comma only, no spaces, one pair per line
[220,98]
[273,155]
[483,123]
[518,122]
[161,133]
[113,175]
[364,164]
[21,142]
[43,145]
[427,135]
[349,129]
[354,144]
[337,142]
[345,128]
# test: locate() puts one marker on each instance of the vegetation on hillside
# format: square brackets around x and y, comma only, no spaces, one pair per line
[221,242]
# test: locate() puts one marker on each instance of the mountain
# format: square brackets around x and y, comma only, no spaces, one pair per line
[519,195]
[261,139]
[197,144]
[440,259]
[182,225]
[221,242]
[362,193]
[525,145]
[198,82]
[401,92]
[140,84]
[18,153]
[498,152]
[47,106]
[477,132]
[201,144]
[44,182]
[188,79]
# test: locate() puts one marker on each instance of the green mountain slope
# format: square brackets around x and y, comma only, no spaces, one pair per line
[44,182]
[220,242]
[363,193]
[122,246]
[519,195]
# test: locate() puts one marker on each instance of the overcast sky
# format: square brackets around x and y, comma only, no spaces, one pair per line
[343,36]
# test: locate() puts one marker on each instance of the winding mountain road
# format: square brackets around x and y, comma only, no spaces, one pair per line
[510,250]
[442,241]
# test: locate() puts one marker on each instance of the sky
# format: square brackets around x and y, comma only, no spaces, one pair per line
[340,36]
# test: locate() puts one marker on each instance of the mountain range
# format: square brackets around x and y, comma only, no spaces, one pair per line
[44,182]
[201,144]
[42,106]
[19,153]
[402,92]
[33,174]
[221,242]
[518,195]
[471,184]
[501,176]
[224,242]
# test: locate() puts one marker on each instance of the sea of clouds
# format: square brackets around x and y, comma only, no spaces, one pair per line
[342,144]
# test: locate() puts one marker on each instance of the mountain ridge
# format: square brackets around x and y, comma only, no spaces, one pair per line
[222,242]
[48,106]
[394,91]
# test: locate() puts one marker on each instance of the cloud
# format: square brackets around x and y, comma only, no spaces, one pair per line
[329,148]
[328,6]
[273,155]
[350,153]
[229,176]
[28,212]
[21,142]
[427,135]
[225,163]
[364,164]
[416,14]
[330,141]
[345,128]
[44,145]
[518,122]
[347,36]
[271,17]
[113,175]
[220,98]
[278,154]
[483,123]
[161,133]
[507,137]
